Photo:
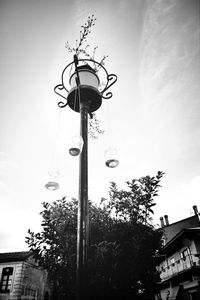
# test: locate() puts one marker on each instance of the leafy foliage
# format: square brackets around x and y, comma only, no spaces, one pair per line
[121,248]
[94,127]
[82,48]
[81,45]
[135,204]
[55,246]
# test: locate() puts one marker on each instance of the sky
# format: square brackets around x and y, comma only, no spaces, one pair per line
[153,47]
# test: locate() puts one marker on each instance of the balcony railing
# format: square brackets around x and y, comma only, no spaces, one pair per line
[179,266]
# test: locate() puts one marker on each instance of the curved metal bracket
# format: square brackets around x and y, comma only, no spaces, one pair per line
[60,87]
[113,79]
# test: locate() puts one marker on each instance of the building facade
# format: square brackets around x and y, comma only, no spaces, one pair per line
[178,263]
[22,278]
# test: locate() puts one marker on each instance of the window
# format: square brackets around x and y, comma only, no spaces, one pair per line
[6,280]
[184,254]
[172,261]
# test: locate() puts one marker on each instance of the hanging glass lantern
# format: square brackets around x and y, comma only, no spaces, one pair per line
[52,184]
[111,160]
[76,145]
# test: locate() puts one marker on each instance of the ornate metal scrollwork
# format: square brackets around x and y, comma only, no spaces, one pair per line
[60,87]
[113,79]
[110,80]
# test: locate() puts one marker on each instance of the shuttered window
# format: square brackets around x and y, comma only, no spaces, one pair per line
[6,280]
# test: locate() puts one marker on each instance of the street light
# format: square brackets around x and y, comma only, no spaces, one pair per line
[80,89]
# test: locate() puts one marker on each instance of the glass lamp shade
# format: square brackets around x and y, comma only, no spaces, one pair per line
[111,159]
[76,145]
[87,77]
[86,92]
[52,184]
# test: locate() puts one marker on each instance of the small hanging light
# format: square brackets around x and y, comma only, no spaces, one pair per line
[111,160]
[52,184]
[76,145]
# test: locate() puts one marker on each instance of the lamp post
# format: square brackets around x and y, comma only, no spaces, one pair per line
[84,97]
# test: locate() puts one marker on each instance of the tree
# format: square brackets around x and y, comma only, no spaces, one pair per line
[55,245]
[122,243]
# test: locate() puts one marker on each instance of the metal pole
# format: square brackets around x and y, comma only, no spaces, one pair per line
[82,229]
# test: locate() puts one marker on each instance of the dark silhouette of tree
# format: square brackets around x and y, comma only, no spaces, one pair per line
[122,243]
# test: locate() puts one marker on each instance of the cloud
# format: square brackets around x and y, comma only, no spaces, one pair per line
[170,51]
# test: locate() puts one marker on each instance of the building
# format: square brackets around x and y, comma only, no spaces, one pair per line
[22,278]
[178,263]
